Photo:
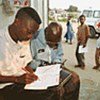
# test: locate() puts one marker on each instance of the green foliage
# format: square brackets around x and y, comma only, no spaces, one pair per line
[62,20]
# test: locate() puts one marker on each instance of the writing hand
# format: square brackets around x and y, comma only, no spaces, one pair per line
[29,69]
[26,78]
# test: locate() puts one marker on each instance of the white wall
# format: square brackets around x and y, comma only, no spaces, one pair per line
[42,8]
[5,19]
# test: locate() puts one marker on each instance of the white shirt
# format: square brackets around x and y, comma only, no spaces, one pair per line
[13,57]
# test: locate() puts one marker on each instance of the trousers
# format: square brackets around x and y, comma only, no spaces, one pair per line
[17,92]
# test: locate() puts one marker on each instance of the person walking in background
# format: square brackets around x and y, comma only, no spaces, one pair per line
[97,54]
[82,38]
[70,33]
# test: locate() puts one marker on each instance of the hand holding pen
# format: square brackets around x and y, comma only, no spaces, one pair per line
[26,78]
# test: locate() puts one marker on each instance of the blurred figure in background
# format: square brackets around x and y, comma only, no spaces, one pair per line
[70,33]
[97,54]
[82,38]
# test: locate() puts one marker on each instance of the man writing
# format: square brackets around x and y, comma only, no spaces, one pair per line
[12,76]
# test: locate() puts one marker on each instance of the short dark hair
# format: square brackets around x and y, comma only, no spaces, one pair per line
[82,16]
[30,12]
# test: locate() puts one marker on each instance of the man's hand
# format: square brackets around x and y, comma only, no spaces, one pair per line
[26,78]
[29,69]
[84,45]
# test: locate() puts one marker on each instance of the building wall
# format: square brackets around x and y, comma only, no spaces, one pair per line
[40,5]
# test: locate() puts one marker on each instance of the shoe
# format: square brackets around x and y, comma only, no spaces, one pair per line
[70,43]
[77,66]
[82,67]
[95,67]
[66,41]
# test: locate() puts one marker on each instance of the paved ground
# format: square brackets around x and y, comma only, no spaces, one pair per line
[90,80]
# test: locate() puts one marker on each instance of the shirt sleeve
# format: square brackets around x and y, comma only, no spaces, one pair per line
[34,63]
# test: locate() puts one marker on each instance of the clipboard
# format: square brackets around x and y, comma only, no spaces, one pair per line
[65,76]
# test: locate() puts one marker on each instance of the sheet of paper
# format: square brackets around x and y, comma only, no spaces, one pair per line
[48,76]
[82,50]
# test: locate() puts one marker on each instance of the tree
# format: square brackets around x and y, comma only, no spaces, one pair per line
[72,8]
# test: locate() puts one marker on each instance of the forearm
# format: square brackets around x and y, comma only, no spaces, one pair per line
[58,59]
[7,79]
[86,39]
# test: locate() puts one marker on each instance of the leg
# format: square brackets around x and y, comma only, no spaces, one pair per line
[17,92]
[80,58]
[72,88]
[97,59]
[77,55]
[71,37]
[12,92]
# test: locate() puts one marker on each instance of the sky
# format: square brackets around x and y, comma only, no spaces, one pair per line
[81,4]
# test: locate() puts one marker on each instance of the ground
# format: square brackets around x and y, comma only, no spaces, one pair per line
[90,80]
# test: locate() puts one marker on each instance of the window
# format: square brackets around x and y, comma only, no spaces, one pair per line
[88,13]
[96,14]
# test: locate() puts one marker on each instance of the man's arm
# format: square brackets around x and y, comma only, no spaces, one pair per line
[33,63]
[25,78]
[87,35]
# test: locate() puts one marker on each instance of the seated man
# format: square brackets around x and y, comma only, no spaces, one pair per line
[14,73]
[46,49]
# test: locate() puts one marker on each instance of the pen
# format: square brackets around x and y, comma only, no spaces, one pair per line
[63,63]
[29,72]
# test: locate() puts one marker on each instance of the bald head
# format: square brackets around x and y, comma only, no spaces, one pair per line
[53,33]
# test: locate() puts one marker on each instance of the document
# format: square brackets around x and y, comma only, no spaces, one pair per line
[48,76]
[82,49]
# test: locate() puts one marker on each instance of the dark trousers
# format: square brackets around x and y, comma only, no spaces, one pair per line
[80,56]
[97,57]
[17,92]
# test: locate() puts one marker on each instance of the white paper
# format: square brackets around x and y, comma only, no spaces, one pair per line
[48,76]
[82,49]
[46,55]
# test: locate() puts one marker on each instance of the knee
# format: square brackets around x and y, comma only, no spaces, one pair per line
[75,78]
[74,84]
[1,97]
